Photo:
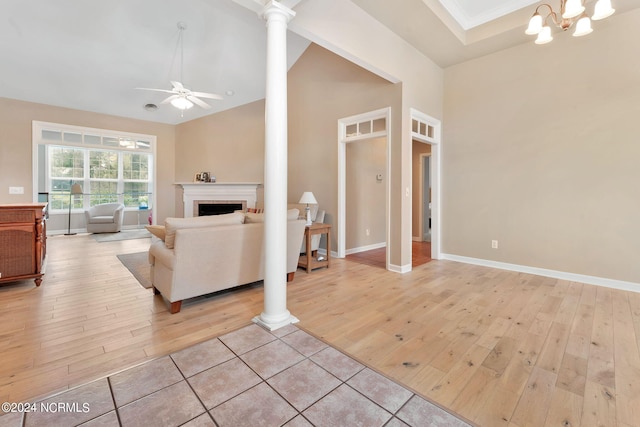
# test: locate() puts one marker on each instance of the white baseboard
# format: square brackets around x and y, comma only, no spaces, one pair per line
[400,268]
[365,248]
[562,275]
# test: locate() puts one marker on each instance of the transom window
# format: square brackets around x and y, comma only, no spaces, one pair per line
[110,166]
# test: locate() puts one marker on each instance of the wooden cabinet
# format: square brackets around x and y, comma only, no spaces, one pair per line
[23,242]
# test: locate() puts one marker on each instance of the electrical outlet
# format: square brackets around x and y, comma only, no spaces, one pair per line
[494,244]
[367,232]
[16,190]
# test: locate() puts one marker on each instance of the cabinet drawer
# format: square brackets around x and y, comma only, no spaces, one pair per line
[8,216]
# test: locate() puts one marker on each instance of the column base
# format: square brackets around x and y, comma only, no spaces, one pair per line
[272,326]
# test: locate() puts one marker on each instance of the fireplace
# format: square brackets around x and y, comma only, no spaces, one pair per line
[218,207]
[194,194]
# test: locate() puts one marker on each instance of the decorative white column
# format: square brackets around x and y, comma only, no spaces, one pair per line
[275,314]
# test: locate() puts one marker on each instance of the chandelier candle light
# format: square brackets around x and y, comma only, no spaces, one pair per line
[571,12]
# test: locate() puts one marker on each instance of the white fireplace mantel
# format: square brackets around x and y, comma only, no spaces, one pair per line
[218,191]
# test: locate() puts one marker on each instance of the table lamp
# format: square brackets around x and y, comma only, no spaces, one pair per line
[308,199]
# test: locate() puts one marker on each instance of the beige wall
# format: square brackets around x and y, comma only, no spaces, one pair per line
[324,88]
[365,194]
[418,150]
[541,153]
[16,119]
[229,145]
[342,27]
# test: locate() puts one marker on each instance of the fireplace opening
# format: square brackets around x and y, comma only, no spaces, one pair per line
[217,208]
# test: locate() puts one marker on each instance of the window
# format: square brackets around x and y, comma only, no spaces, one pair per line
[424,129]
[110,166]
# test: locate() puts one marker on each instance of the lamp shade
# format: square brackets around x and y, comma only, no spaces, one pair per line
[308,198]
[583,27]
[535,25]
[572,8]
[76,189]
[602,10]
[544,36]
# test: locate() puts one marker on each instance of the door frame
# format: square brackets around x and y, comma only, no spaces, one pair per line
[343,140]
[434,140]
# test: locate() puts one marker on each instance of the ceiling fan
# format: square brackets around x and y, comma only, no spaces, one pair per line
[181,97]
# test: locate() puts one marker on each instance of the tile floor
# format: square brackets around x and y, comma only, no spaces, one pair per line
[250,377]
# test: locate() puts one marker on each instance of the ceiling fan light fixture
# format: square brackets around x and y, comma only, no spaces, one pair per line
[181,97]
[181,103]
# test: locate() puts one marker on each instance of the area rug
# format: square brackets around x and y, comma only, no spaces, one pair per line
[138,264]
[123,235]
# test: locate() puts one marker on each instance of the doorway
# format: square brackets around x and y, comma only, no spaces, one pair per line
[426,197]
[425,133]
[363,128]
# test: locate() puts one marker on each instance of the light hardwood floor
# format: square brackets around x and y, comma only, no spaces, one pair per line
[499,348]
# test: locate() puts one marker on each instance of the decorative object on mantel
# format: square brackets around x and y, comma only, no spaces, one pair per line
[308,199]
[571,12]
[75,190]
[204,177]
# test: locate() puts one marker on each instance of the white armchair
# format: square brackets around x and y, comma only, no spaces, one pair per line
[105,218]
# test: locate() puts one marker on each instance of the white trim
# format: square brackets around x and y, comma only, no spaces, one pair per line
[366,248]
[400,268]
[562,275]
[343,140]
[436,171]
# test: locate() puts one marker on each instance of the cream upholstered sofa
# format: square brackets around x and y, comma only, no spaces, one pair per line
[202,255]
[104,218]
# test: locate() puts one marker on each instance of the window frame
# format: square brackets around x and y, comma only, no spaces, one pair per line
[90,140]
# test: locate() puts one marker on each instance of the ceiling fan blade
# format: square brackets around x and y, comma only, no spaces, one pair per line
[207,95]
[155,90]
[177,85]
[198,102]
[169,99]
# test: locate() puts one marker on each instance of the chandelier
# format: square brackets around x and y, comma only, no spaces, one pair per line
[571,12]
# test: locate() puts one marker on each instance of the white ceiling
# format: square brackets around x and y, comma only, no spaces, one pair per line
[91,55]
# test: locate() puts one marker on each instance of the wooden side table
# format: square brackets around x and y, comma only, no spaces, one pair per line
[308,261]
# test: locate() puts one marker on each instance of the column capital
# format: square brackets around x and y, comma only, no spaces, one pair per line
[272,7]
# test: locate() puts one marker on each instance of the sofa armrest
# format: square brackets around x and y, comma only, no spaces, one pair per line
[159,253]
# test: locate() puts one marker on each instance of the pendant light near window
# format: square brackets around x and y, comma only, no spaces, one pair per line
[571,12]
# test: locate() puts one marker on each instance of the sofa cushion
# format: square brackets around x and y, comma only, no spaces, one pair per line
[157,230]
[173,224]
[251,217]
